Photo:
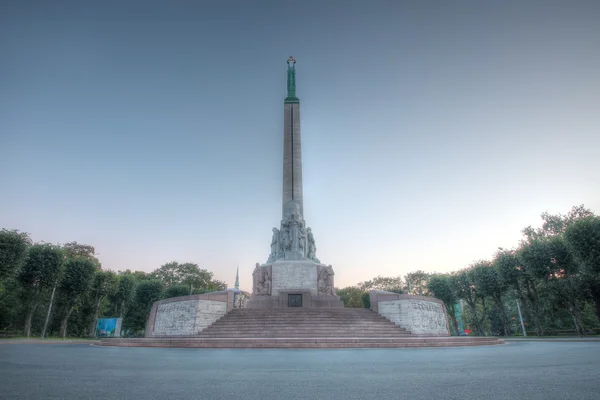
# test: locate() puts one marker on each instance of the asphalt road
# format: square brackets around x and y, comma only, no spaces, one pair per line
[531,370]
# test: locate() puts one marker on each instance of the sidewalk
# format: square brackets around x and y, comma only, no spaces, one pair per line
[48,341]
[552,339]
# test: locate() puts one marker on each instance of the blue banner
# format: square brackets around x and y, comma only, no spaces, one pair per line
[108,327]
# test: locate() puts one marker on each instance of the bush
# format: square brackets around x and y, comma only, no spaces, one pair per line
[366,300]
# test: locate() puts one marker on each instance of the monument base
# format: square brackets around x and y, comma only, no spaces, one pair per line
[282,300]
[293,284]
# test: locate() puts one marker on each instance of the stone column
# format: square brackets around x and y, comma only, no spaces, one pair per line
[292,156]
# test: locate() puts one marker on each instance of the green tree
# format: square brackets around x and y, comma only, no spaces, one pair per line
[465,290]
[189,274]
[176,290]
[416,283]
[78,275]
[366,300]
[489,283]
[443,287]
[124,293]
[41,270]
[382,283]
[583,240]
[74,249]
[556,224]
[104,284]
[551,263]
[351,296]
[13,251]
[146,293]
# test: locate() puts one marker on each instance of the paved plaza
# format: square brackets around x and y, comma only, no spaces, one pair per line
[518,370]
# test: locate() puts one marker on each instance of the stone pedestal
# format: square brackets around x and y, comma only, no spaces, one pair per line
[311,281]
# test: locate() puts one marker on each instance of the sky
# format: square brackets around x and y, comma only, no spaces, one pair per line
[433,131]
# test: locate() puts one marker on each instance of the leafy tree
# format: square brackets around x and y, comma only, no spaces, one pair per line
[13,251]
[556,224]
[41,270]
[78,275]
[351,296]
[550,262]
[583,240]
[189,274]
[74,249]
[443,287]
[465,289]
[104,284]
[366,300]
[146,293]
[382,283]
[416,283]
[176,291]
[124,292]
[489,283]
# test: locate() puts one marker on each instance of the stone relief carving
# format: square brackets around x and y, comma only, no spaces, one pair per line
[261,278]
[325,280]
[274,245]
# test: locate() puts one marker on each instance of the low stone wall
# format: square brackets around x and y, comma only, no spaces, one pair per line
[187,315]
[421,315]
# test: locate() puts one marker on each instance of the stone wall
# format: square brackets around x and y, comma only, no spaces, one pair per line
[421,315]
[187,315]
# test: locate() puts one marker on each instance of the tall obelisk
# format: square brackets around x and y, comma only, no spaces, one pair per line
[293,276]
[292,143]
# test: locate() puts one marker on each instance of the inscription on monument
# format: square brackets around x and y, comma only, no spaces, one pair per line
[418,316]
[294,276]
[175,318]
[188,317]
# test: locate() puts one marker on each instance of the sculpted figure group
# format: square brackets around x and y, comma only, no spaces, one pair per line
[294,241]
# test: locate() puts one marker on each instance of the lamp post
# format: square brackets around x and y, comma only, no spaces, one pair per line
[521,318]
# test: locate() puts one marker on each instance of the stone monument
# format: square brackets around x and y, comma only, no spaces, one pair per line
[293,276]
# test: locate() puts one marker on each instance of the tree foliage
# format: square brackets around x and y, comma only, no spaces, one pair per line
[13,250]
[78,275]
[104,284]
[351,296]
[583,240]
[443,287]
[382,283]
[188,274]
[416,283]
[176,290]
[146,293]
[40,271]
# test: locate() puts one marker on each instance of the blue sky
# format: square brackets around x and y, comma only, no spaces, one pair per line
[433,132]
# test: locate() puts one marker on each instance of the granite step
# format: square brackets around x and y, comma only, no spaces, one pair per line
[303,322]
[291,332]
[302,329]
[298,343]
[303,334]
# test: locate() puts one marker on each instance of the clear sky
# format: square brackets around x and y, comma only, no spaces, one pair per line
[433,131]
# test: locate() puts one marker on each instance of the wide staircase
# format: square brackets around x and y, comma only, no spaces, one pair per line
[302,328]
[303,323]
